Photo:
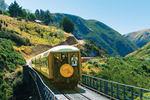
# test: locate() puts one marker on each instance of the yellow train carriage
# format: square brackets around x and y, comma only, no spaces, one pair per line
[60,64]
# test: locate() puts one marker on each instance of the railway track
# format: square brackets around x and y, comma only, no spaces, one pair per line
[79,93]
[75,95]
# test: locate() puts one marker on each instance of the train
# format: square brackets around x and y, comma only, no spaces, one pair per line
[61,65]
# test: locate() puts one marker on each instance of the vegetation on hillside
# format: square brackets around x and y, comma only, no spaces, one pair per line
[10,72]
[67,25]
[18,33]
[15,10]
[18,40]
[102,35]
[44,16]
[30,35]
[140,38]
[145,95]
[90,49]
[36,33]
[27,37]
[142,53]
[128,70]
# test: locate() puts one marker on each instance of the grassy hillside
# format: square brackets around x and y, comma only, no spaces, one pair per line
[102,35]
[140,38]
[134,69]
[27,38]
[36,33]
[30,37]
[127,70]
[142,53]
[10,70]
[90,49]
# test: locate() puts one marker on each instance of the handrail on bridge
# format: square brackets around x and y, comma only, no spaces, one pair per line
[114,90]
[44,92]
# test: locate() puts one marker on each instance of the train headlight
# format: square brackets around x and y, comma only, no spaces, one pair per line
[66,70]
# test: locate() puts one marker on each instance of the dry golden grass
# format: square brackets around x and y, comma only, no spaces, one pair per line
[89,67]
[41,37]
[24,49]
[36,33]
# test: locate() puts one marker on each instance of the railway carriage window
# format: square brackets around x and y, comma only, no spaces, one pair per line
[74,60]
[57,59]
[56,56]
[64,58]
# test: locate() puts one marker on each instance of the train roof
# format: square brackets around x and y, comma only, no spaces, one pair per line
[64,48]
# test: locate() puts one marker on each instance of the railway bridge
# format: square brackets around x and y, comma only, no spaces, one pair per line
[92,88]
[89,87]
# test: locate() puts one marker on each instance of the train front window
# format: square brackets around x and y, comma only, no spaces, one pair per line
[64,58]
[57,59]
[74,60]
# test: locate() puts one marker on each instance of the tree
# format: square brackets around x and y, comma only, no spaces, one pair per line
[37,14]
[44,16]
[31,17]
[2,5]
[15,10]
[9,58]
[67,25]
[47,17]
[24,14]
[42,13]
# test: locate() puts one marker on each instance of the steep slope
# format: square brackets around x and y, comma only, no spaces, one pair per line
[102,35]
[140,38]
[126,70]
[142,53]
[30,38]
[36,33]
[89,49]
[10,70]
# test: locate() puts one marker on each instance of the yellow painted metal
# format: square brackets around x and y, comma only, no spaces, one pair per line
[66,70]
[50,66]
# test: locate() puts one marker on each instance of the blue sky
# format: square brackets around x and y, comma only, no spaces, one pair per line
[123,15]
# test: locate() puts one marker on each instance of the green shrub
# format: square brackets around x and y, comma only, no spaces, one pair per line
[17,82]
[15,38]
[9,58]
[128,70]
[5,91]
[146,95]
[90,49]
[67,24]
